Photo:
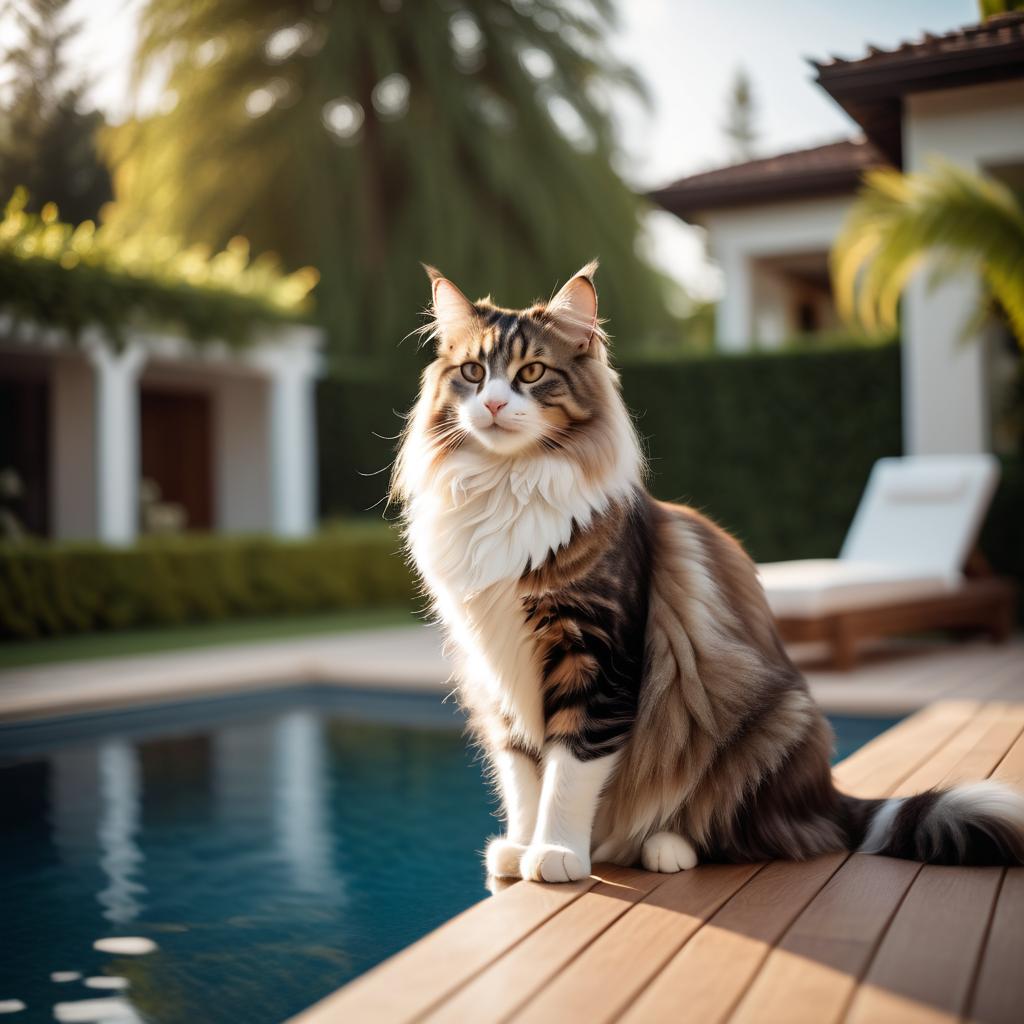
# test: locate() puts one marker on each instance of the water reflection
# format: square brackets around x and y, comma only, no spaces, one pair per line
[273,848]
[301,811]
[120,857]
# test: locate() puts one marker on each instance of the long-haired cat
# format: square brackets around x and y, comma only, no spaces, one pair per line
[616,654]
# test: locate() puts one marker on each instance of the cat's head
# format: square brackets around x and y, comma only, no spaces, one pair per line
[510,381]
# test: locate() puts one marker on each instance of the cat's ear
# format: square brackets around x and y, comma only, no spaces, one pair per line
[574,309]
[453,312]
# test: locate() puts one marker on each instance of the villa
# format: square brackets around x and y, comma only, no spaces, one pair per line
[771,222]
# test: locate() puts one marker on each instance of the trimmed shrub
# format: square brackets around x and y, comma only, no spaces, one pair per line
[776,448]
[53,589]
[1002,539]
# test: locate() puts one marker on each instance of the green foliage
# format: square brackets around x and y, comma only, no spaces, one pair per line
[1002,538]
[365,136]
[950,215]
[776,447]
[991,8]
[47,137]
[73,277]
[55,589]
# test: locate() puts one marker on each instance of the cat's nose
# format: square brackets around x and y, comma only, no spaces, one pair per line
[495,406]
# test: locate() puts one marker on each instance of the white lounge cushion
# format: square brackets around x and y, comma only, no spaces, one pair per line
[820,586]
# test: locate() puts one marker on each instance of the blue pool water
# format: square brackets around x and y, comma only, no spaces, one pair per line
[273,847]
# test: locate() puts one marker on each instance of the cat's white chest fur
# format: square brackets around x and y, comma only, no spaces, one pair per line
[473,533]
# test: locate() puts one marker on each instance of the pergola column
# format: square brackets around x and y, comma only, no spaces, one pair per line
[291,367]
[116,435]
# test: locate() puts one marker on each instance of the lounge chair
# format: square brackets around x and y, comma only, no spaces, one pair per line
[908,563]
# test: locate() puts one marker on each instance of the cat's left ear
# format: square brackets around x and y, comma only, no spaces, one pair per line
[454,313]
[574,309]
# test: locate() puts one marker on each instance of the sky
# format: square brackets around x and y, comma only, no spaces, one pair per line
[688,52]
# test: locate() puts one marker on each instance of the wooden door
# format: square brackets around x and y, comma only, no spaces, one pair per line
[177,451]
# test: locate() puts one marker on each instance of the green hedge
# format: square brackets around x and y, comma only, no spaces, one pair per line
[53,589]
[775,447]
[1002,539]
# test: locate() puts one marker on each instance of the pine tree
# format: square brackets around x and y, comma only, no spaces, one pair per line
[47,138]
[364,136]
[740,128]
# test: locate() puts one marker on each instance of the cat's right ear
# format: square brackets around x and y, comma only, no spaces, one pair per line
[454,314]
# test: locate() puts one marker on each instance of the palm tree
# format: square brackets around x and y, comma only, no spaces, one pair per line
[951,217]
[364,136]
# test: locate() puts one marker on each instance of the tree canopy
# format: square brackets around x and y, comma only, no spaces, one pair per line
[365,136]
[47,133]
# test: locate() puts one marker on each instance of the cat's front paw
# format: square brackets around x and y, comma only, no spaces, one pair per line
[543,862]
[503,857]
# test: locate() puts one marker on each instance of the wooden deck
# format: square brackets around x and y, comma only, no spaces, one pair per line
[844,938]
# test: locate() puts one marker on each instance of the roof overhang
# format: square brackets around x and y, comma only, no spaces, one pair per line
[871,89]
[831,170]
[690,202]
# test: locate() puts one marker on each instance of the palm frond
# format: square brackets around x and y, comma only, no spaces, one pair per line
[948,217]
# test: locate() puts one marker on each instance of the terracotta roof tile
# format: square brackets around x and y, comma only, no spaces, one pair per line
[995,32]
[833,168]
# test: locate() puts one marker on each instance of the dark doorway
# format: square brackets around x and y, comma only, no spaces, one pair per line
[177,451]
[25,451]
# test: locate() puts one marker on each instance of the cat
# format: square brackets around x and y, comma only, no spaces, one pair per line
[616,654]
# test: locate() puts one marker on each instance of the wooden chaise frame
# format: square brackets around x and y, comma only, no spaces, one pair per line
[984,603]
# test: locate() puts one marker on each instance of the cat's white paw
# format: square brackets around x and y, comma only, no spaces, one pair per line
[543,862]
[667,853]
[503,857]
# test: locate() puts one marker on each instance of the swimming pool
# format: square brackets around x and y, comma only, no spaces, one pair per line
[272,846]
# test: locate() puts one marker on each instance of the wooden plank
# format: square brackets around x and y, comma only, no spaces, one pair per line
[1011,768]
[710,973]
[814,971]
[498,991]
[413,981]
[972,753]
[607,975]
[989,751]
[925,965]
[877,767]
[923,969]
[811,974]
[999,990]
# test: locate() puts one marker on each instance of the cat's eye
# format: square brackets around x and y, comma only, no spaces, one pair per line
[531,373]
[473,372]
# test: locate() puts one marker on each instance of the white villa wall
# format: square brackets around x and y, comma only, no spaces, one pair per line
[755,309]
[945,405]
[242,464]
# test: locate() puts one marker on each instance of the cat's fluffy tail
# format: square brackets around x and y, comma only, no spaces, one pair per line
[979,823]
